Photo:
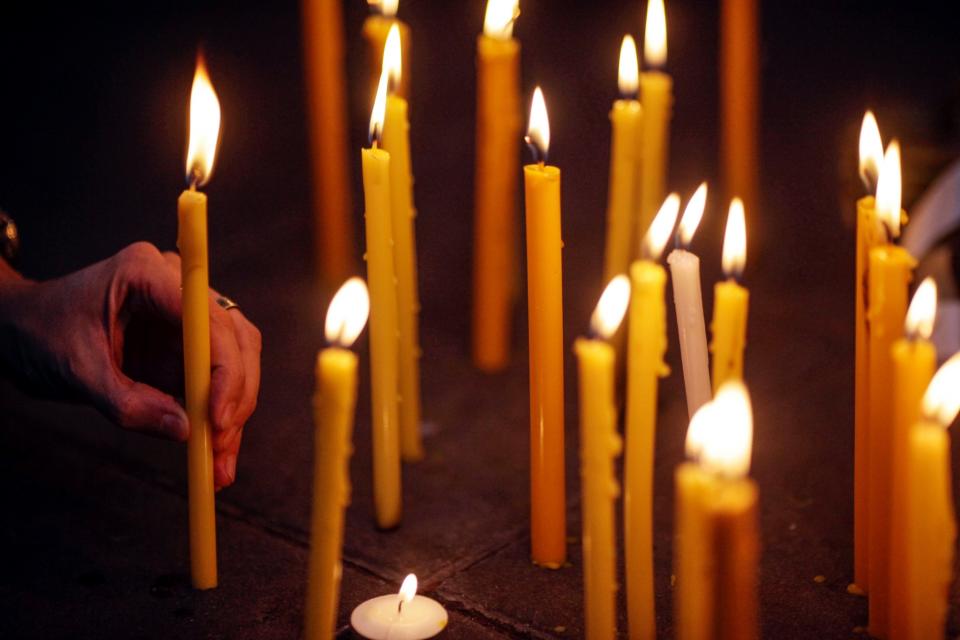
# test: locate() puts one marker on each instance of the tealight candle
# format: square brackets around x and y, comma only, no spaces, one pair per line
[404,616]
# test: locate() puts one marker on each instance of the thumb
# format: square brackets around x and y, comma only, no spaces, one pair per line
[140,407]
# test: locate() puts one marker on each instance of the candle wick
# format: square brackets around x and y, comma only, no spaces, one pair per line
[400,607]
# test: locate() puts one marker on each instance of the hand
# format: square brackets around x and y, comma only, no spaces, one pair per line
[110,335]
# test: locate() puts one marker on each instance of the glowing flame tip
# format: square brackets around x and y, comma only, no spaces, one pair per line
[408,589]
[871,152]
[692,215]
[538,132]
[735,241]
[727,443]
[499,18]
[611,308]
[655,34]
[393,57]
[662,227]
[386,8]
[889,190]
[204,127]
[922,311]
[941,402]
[628,77]
[347,313]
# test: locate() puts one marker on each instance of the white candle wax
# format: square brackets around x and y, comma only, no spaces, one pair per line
[685,274]
[382,619]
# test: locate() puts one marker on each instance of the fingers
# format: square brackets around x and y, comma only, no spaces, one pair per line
[140,407]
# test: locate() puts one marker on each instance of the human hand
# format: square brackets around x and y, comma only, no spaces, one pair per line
[110,335]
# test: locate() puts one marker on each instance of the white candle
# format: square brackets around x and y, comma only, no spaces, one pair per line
[401,616]
[685,274]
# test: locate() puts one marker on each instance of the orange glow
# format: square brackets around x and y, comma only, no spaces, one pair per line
[204,127]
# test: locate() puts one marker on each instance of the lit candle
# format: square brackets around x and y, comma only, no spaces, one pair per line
[889,274]
[326,109]
[685,274]
[869,235]
[731,302]
[495,186]
[656,96]
[545,303]
[404,616]
[195,282]
[931,520]
[914,361]
[384,346]
[623,193]
[334,403]
[396,142]
[647,345]
[376,28]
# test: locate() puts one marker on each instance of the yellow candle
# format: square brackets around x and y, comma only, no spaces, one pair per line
[326,108]
[384,345]
[931,520]
[623,193]
[396,142]
[888,276]
[656,96]
[914,361]
[545,302]
[692,559]
[334,404]
[868,236]
[495,186]
[730,302]
[647,338]
[737,547]
[376,28]
[192,241]
[599,447]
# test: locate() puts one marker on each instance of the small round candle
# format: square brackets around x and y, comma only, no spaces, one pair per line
[404,616]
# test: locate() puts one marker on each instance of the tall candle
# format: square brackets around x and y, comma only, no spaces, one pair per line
[623,192]
[889,274]
[656,97]
[647,345]
[914,362]
[599,447]
[545,303]
[396,142]
[731,302]
[868,236]
[685,274]
[334,404]
[495,186]
[932,526]
[384,347]
[376,28]
[195,282]
[326,109]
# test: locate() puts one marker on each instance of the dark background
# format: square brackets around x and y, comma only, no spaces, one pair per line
[92,139]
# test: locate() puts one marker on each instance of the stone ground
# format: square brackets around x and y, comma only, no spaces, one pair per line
[94,532]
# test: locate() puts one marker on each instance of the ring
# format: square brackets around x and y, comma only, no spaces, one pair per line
[227,303]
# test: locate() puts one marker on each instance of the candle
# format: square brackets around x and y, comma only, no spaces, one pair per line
[932,527]
[495,186]
[396,142]
[914,361]
[731,302]
[656,97]
[195,283]
[384,346]
[405,616]
[545,303]
[599,447]
[623,193]
[647,344]
[685,274]
[334,403]
[868,236]
[376,28]
[326,109]
[888,276]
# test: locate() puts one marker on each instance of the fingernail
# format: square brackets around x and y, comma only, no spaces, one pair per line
[176,425]
[227,415]
[230,465]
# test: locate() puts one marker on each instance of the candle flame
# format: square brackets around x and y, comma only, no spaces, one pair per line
[204,127]
[538,132]
[700,423]
[941,402]
[871,152]
[889,190]
[629,72]
[662,227]
[611,308]
[393,58]
[735,241]
[499,18]
[692,215]
[655,34]
[387,8]
[408,589]
[347,313]
[922,311]
[379,108]
[727,443]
